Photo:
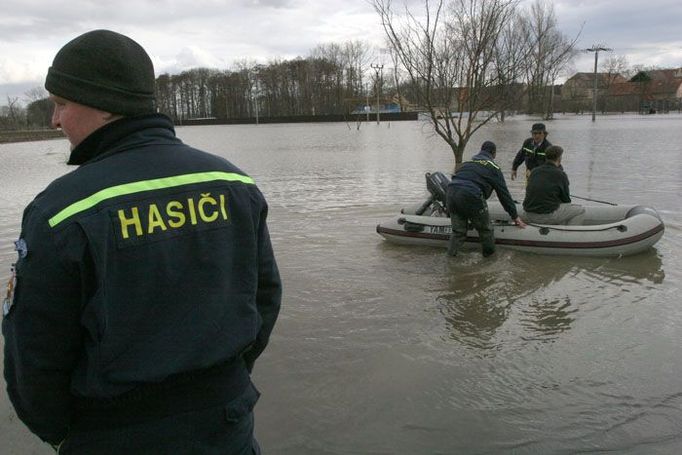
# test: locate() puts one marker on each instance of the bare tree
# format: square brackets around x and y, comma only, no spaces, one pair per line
[249,70]
[330,59]
[552,51]
[39,113]
[614,67]
[39,108]
[35,94]
[14,113]
[454,55]
[396,77]
[357,58]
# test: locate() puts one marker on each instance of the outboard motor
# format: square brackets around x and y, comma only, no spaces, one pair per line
[437,184]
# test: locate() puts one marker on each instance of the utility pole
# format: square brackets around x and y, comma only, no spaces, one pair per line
[255,101]
[595,48]
[377,69]
[367,101]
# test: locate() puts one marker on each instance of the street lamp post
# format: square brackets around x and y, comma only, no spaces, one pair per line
[596,48]
[378,69]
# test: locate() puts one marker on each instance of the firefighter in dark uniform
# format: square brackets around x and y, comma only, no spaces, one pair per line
[532,152]
[146,284]
[467,196]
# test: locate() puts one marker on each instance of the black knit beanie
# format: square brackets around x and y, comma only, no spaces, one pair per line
[104,70]
[488,146]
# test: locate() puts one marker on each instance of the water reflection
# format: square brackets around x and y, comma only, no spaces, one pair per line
[544,294]
[474,313]
[637,269]
[546,318]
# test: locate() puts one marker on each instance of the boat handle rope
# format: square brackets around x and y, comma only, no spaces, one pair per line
[544,229]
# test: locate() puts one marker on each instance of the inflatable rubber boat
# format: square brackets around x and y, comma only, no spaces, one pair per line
[607,230]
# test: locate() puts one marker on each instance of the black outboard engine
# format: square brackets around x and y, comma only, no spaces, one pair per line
[437,184]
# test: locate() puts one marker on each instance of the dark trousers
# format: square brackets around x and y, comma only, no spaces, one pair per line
[465,208]
[218,430]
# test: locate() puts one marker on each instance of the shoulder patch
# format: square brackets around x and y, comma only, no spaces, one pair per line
[9,298]
[21,248]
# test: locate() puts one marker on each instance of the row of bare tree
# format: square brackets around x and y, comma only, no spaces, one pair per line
[322,83]
[326,82]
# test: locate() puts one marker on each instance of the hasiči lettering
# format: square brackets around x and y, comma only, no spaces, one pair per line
[155,217]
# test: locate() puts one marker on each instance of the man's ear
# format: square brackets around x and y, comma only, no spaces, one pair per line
[108,117]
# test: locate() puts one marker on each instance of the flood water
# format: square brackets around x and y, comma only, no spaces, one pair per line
[386,349]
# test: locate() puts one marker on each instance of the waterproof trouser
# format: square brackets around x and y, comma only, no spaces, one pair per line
[466,208]
[570,214]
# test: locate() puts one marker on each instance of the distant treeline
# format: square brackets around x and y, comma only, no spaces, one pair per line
[332,81]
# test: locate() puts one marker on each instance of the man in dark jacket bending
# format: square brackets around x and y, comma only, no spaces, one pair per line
[146,284]
[467,194]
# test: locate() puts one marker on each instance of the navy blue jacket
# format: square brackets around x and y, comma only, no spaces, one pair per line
[530,154]
[480,177]
[150,259]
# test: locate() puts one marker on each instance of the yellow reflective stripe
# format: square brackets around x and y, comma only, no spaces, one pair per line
[486,163]
[145,185]
[534,152]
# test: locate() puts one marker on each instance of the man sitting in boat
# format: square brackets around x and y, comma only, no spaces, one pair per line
[548,199]
[467,194]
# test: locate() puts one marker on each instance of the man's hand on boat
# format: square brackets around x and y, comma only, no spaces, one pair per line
[519,222]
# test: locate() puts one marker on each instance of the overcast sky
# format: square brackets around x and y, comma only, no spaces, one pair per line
[216,33]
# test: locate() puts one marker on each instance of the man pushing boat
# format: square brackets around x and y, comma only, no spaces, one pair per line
[467,194]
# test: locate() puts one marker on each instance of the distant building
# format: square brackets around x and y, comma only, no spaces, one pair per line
[658,90]
[624,97]
[578,91]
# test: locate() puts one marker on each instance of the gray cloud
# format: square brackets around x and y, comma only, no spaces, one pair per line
[180,34]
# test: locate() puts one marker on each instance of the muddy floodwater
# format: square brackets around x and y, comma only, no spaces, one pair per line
[386,349]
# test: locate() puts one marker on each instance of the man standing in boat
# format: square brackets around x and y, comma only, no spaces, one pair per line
[467,196]
[532,152]
[548,199]
[146,285]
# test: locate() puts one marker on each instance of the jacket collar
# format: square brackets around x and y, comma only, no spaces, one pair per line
[483,156]
[111,135]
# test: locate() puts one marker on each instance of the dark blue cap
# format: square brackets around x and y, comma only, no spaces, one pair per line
[488,146]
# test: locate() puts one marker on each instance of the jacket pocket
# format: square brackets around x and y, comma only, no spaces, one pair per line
[243,405]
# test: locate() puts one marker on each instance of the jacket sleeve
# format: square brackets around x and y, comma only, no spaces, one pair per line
[519,158]
[504,196]
[42,335]
[565,193]
[269,295]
